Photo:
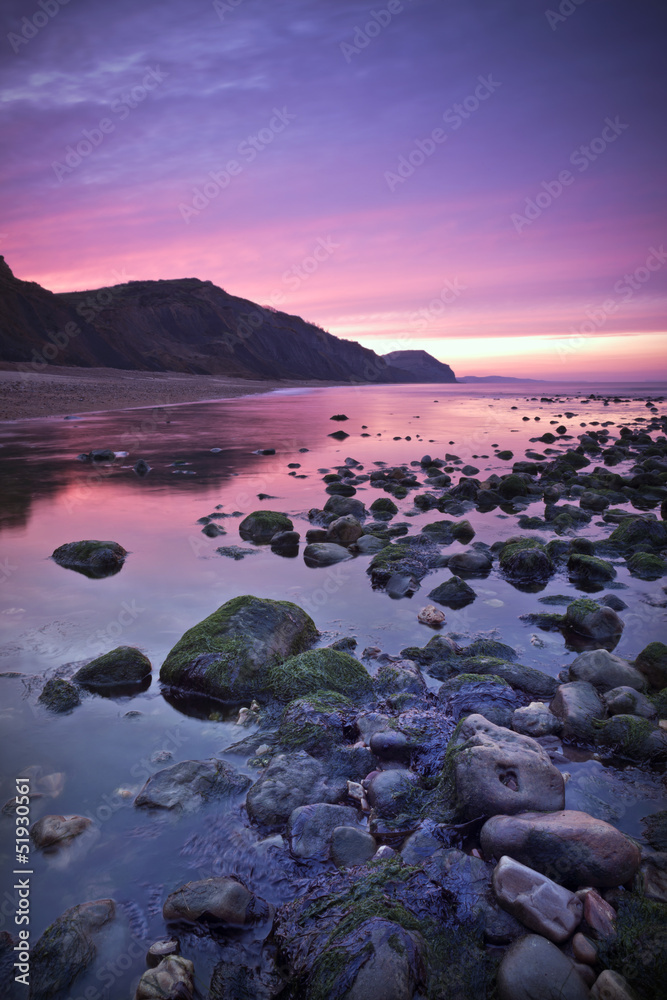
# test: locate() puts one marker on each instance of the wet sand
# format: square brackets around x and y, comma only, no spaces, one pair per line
[59,391]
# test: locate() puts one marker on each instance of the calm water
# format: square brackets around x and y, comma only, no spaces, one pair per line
[174,577]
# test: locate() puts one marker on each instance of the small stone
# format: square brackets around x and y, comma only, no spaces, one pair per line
[390,744]
[51,830]
[599,915]
[162,949]
[172,979]
[430,615]
[310,828]
[223,899]
[583,949]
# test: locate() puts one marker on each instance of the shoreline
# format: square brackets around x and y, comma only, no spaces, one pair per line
[65,391]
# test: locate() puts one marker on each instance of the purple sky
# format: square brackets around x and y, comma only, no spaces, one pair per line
[350,187]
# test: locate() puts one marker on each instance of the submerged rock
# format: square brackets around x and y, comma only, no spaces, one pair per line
[51,830]
[92,558]
[226,900]
[123,667]
[228,655]
[189,783]
[59,695]
[570,847]
[68,947]
[524,560]
[325,554]
[172,978]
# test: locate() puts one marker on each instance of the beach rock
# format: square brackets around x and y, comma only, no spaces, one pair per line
[340,506]
[142,468]
[291,780]
[570,847]
[535,720]
[589,619]
[368,545]
[652,878]
[51,830]
[323,669]
[528,679]
[92,558]
[497,771]
[599,916]
[539,903]
[611,985]
[59,695]
[474,562]
[579,707]
[285,543]
[228,655]
[262,525]
[524,560]
[633,737]
[324,554]
[351,846]
[488,695]
[68,947]
[454,593]
[172,979]
[123,667]
[310,828]
[314,723]
[605,671]
[589,569]
[212,530]
[635,533]
[652,663]
[626,700]
[535,969]
[222,899]
[161,949]
[393,793]
[430,615]
[190,783]
[344,530]
[584,950]
[235,552]
[646,565]
[383,507]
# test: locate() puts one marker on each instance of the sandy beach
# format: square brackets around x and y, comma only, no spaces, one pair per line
[60,391]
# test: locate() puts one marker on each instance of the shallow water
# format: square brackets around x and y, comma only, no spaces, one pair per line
[173,577]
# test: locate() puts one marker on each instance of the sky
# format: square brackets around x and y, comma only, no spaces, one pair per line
[480,179]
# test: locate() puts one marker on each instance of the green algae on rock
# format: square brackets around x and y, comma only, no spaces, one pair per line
[92,558]
[59,695]
[124,666]
[262,525]
[318,669]
[229,654]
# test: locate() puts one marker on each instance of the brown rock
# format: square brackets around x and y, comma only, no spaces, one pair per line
[583,949]
[540,904]
[172,979]
[611,986]
[51,830]
[570,847]
[535,969]
[599,915]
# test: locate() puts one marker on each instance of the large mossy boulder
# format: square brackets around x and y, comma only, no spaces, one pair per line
[646,565]
[59,695]
[652,663]
[229,655]
[92,558]
[123,667]
[591,620]
[318,669]
[262,525]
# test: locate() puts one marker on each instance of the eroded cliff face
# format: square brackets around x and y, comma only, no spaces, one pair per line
[184,325]
[421,365]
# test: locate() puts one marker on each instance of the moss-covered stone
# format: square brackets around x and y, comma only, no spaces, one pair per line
[528,679]
[590,568]
[383,505]
[490,647]
[314,723]
[124,666]
[638,951]
[525,560]
[262,525]
[646,565]
[516,484]
[655,830]
[59,695]
[454,593]
[639,532]
[229,654]
[318,669]
[632,737]
[587,618]
[93,558]
[652,663]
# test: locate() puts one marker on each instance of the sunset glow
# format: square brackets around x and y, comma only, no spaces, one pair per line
[475,180]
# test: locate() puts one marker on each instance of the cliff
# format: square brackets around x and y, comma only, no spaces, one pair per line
[422,366]
[183,325]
